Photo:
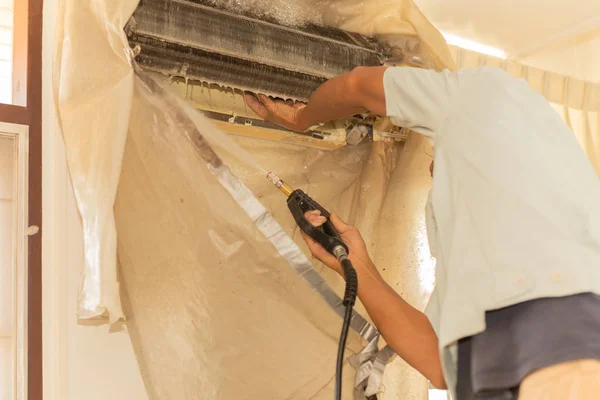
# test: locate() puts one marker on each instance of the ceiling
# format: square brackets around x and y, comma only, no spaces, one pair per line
[556,35]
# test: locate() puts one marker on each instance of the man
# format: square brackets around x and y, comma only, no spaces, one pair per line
[513,220]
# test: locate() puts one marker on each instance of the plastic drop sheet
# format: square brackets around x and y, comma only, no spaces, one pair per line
[214,309]
[385,19]
[230,316]
[93,83]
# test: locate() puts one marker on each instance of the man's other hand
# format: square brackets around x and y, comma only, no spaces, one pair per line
[358,253]
[278,112]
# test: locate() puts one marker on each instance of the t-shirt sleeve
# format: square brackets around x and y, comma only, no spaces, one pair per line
[419,98]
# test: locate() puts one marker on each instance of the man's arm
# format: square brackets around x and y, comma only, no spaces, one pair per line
[405,329]
[342,96]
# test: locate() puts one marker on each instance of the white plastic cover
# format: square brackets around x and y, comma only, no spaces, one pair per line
[94,88]
[215,310]
[209,294]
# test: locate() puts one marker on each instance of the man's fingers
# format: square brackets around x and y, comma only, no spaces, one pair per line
[320,253]
[315,218]
[256,105]
[268,103]
[314,247]
[275,107]
[311,243]
[251,99]
[263,105]
[339,224]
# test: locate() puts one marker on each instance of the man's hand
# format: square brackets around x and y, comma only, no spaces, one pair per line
[350,236]
[277,111]
[405,329]
[342,96]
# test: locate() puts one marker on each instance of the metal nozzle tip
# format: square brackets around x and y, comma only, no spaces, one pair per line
[274,179]
[281,185]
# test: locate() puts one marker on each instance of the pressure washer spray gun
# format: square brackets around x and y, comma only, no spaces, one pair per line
[327,236]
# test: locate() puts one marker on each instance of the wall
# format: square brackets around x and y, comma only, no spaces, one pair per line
[80,362]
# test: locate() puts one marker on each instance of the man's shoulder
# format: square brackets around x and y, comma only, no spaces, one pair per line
[487,69]
[484,76]
[426,77]
[485,80]
[488,72]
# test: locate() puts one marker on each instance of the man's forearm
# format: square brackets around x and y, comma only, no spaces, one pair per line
[345,95]
[332,100]
[405,329]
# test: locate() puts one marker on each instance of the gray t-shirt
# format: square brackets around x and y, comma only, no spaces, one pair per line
[523,338]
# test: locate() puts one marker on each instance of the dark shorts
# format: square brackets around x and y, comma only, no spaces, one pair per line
[524,338]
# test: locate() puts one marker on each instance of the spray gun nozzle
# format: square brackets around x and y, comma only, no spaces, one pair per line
[274,179]
[281,185]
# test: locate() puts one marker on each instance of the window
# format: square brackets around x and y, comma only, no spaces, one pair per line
[13,52]
[6,50]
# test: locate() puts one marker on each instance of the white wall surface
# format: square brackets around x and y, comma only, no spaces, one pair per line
[80,362]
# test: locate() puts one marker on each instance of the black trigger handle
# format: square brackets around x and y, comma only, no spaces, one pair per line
[327,236]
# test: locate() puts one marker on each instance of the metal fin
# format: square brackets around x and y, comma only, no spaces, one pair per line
[199,42]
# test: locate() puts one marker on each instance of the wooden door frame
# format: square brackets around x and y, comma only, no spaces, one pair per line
[31,116]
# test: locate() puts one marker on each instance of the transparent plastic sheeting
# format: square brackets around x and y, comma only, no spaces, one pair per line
[93,81]
[93,85]
[215,310]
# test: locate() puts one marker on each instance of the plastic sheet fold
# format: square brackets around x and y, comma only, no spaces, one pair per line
[93,84]
[388,19]
[208,292]
[203,274]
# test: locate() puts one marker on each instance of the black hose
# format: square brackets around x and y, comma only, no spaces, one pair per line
[349,300]
[340,355]
[351,283]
